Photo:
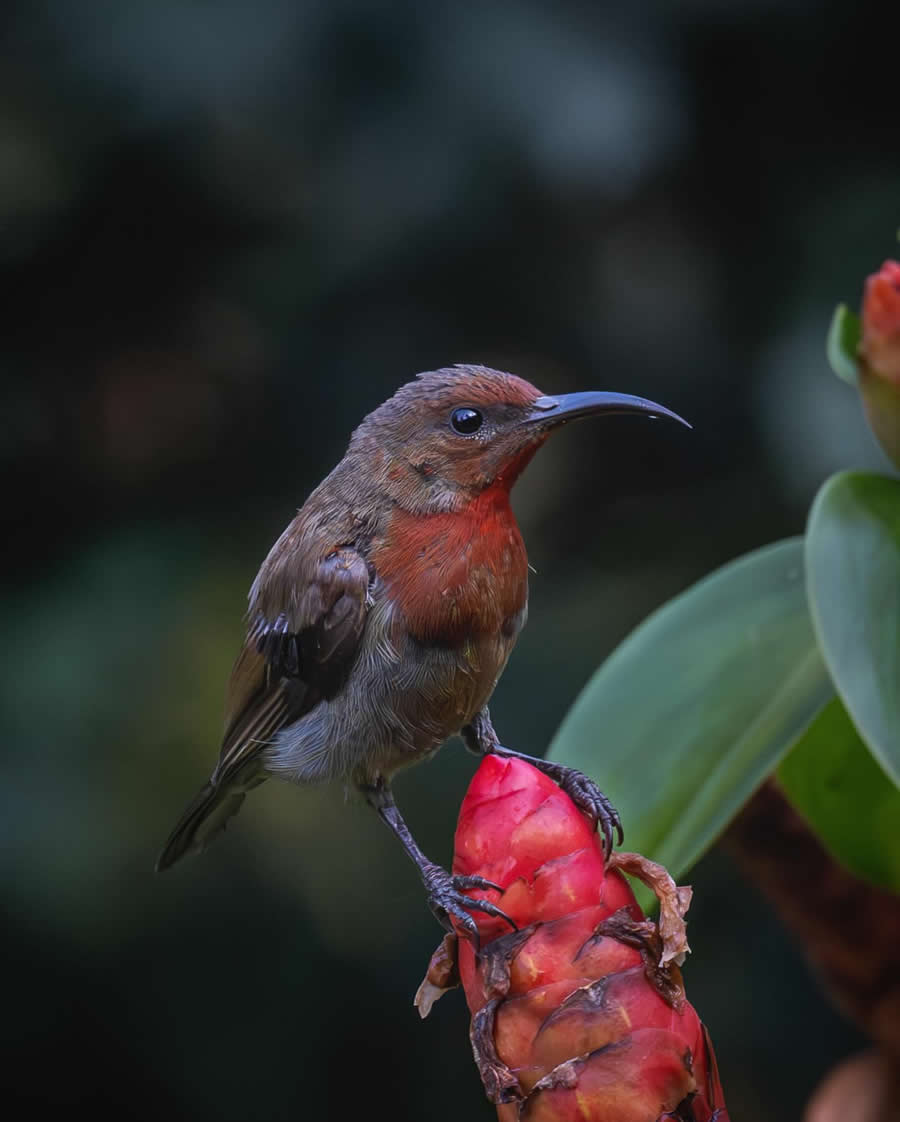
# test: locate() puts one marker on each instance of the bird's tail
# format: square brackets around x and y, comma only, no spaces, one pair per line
[204,817]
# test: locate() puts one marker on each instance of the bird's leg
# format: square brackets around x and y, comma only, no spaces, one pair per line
[446,893]
[481,739]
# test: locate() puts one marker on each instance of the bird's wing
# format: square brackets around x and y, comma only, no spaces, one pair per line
[305,625]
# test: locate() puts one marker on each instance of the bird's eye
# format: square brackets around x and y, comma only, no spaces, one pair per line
[466,421]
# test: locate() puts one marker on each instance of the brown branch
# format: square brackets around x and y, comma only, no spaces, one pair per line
[849,929]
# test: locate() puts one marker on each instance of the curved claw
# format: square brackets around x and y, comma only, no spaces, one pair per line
[462,917]
[466,882]
[491,910]
[583,792]
[446,898]
[588,797]
[606,829]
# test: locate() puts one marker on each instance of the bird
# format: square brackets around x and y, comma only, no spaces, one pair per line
[381,619]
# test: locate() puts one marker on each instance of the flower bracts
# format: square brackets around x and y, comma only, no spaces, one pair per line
[580,1014]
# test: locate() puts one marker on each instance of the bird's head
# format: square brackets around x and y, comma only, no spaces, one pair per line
[446,437]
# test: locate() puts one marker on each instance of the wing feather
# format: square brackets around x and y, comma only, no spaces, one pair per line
[299,649]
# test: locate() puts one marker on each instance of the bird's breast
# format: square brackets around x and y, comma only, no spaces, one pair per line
[457,575]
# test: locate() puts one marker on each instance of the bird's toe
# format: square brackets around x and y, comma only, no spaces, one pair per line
[448,900]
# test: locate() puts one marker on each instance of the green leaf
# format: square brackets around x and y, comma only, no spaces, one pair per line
[831,778]
[696,707]
[842,343]
[853,574]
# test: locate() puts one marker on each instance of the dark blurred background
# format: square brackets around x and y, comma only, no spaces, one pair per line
[231,229]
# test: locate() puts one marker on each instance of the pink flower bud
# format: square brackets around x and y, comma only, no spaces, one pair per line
[880,347]
[580,1015]
[879,352]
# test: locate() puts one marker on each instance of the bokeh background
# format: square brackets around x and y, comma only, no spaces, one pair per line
[228,231]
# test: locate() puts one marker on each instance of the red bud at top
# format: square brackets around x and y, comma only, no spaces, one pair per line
[515,821]
[881,322]
[879,353]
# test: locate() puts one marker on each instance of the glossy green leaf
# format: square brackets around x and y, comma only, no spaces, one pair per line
[697,706]
[853,575]
[832,779]
[842,343]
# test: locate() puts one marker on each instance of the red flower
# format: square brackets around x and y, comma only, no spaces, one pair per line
[879,352]
[581,1014]
[880,346]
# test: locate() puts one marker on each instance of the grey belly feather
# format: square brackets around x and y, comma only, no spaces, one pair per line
[402,700]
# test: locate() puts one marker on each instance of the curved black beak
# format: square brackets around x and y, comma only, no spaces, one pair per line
[551,411]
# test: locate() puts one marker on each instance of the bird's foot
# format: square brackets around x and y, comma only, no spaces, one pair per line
[447,899]
[588,797]
[583,792]
[480,737]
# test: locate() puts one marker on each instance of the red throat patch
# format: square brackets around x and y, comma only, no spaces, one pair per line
[458,574]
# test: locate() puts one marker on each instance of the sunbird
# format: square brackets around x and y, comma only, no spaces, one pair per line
[385,613]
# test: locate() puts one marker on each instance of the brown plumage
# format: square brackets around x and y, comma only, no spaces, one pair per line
[381,619]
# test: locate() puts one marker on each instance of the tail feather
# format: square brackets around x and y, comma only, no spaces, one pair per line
[204,817]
